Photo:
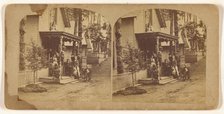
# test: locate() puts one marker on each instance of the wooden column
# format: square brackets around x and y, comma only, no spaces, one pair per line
[175,46]
[171,46]
[157,45]
[60,50]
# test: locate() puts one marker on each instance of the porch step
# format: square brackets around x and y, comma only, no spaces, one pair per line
[166,80]
[46,80]
[67,79]
[62,80]
[146,81]
[162,81]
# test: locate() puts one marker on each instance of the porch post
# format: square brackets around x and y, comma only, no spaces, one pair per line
[60,50]
[99,47]
[157,45]
[175,46]
[171,46]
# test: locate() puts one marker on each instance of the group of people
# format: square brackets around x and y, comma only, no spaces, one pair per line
[54,65]
[170,66]
[174,68]
[153,65]
[71,67]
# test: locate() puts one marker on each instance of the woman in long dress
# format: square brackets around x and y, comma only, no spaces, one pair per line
[76,71]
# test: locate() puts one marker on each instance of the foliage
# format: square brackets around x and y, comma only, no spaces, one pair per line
[133,58]
[120,67]
[94,32]
[130,91]
[196,32]
[108,29]
[36,58]
[74,13]
[107,40]
[22,46]
[141,60]
[190,29]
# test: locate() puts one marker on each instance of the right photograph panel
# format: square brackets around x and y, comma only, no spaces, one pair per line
[159,56]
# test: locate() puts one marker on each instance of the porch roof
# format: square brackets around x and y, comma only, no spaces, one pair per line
[58,34]
[159,35]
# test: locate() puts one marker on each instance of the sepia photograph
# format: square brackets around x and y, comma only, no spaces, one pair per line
[159,56]
[64,55]
[111,57]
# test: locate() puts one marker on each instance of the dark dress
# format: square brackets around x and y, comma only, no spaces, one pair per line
[56,72]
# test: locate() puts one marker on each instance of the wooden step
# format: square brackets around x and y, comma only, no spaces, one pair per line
[164,77]
[47,80]
[61,80]
[66,81]
[146,81]
[166,81]
[162,81]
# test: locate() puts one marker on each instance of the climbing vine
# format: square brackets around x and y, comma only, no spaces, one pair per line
[120,67]
[22,46]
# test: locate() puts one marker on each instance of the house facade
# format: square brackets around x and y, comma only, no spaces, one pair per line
[59,29]
[151,31]
[138,28]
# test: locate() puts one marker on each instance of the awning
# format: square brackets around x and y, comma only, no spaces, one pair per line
[59,34]
[159,35]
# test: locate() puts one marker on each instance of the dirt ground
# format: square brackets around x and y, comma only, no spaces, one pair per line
[97,90]
[191,91]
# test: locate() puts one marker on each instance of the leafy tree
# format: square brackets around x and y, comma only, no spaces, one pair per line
[93,29]
[190,31]
[132,58]
[36,59]
[108,38]
[94,32]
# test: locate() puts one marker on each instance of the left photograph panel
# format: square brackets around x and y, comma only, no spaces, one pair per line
[57,56]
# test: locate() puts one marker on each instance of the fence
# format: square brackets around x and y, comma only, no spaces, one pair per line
[121,81]
[26,77]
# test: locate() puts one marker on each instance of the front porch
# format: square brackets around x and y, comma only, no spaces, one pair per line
[68,46]
[155,43]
